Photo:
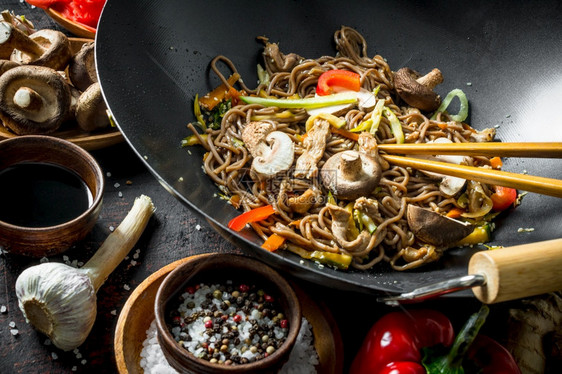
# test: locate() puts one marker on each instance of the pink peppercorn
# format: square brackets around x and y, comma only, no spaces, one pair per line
[237,318]
[244,288]
[190,290]
[209,324]
[283,323]
[268,298]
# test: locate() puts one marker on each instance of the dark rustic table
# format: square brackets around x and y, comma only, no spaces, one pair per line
[173,233]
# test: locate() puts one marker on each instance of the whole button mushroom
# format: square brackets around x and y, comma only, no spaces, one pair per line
[33,100]
[416,90]
[48,48]
[350,174]
[82,67]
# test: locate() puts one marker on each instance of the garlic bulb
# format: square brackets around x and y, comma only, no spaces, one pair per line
[60,301]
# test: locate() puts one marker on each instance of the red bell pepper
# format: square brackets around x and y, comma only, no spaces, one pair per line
[86,12]
[412,342]
[394,343]
[503,197]
[333,81]
[254,215]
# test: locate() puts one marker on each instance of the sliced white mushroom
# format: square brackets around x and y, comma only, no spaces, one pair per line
[273,151]
[449,185]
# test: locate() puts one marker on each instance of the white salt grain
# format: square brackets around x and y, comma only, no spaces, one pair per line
[54,355]
[12,324]
[14,332]
[3,309]
[114,312]
[126,287]
[302,359]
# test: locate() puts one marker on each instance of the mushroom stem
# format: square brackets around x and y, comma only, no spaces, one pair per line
[431,79]
[11,38]
[26,98]
[350,165]
[119,242]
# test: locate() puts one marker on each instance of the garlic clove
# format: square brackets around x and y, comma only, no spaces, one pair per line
[59,301]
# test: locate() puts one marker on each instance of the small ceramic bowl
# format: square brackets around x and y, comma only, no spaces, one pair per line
[51,240]
[217,269]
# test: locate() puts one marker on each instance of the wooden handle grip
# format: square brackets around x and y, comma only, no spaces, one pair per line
[519,271]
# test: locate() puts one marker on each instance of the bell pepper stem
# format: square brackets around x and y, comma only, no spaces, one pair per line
[452,361]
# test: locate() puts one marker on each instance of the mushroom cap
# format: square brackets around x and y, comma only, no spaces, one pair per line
[276,155]
[91,111]
[56,50]
[415,93]
[82,67]
[6,65]
[350,174]
[434,228]
[54,95]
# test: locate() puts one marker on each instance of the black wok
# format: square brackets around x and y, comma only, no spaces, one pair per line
[153,57]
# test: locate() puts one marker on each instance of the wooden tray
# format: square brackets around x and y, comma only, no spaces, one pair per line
[88,141]
[138,313]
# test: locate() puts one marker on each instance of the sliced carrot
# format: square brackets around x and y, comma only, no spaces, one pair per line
[273,243]
[442,126]
[455,213]
[213,98]
[295,223]
[345,133]
[254,215]
[496,162]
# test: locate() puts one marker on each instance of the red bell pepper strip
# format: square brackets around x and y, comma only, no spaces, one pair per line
[394,343]
[254,215]
[503,198]
[331,81]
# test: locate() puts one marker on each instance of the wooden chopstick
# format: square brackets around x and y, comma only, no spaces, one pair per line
[537,149]
[541,185]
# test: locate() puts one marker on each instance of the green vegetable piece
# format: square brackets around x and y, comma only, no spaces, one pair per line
[263,75]
[463,110]
[395,125]
[306,103]
[197,112]
[340,261]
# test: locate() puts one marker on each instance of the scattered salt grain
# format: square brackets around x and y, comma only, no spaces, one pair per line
[47,342]
[3,309]
[116,185]
[14,332]
[83,362]
[180,179]
[114,312]
[54,355]
[133,263]
[111,228]
[469,83]
[136,256]
[108,174]
[74,368]
[12,324]
[78,356]
[198,227]
[76,351]
[43,260]
[302,359]
[528,229]
[126,287]
[120,194]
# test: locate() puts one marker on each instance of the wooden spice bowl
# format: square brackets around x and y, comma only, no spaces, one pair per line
[138,313]
[51,240]
[74,27]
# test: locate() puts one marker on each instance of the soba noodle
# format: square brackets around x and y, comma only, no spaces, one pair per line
[228,162]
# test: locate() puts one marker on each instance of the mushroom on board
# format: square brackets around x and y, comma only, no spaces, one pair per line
[46,47]
[418,91]
[6,65]
[33,99]
[91,111]
[350,174]
[434,228]
[82,67]
[273,151]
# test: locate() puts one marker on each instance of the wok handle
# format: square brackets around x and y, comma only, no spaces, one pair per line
[518,271]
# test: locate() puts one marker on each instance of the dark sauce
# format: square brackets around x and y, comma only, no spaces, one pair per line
[41,195]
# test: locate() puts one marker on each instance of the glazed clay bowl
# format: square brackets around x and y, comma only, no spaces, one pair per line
[218,269]
[51,240]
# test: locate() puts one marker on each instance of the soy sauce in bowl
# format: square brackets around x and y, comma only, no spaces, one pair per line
[39,194]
